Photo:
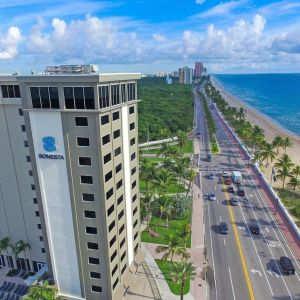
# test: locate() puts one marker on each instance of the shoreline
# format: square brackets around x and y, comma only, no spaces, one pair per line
[270,127]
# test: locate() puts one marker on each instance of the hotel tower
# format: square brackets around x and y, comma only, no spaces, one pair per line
[69,179]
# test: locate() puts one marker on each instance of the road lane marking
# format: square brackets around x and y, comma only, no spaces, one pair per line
[231,283]
[224,242]
[253,271]
[271,272]
[237,239]
[220,219]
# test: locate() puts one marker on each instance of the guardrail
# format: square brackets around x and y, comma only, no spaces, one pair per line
[278,203]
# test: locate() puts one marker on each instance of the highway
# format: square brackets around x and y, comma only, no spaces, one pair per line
[240,265]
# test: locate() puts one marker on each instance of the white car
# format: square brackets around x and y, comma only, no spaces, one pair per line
[226,174]
[212,197]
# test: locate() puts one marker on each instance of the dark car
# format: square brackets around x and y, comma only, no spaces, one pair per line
[223,228]
[241,192]
[228,180]
[254,228]
[230,189]
[286,265]
[208,157]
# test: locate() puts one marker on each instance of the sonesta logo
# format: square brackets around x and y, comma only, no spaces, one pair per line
[49,146]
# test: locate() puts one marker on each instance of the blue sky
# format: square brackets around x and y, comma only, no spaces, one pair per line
[237,36]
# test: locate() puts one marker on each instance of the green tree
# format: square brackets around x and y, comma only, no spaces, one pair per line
[42,292]
[190,175]
[241,114]
[294,183]
[277,143]
[163,179]
[182,139]
[181,273]
[22,247]
[4,245]
[185,233]
[282,173]
[268,152]
[286,143]
[296,171]
[147,171]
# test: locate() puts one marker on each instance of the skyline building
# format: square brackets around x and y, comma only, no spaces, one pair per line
[69,179]
[185,75]
[198,69]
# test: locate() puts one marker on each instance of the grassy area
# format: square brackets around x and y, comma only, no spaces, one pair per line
[165,267]
[188,148]
[291,200]
[172,189]
[158,225]
[214,148]
[150,151]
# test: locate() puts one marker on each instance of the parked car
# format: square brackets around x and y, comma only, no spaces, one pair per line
[234,201]
[223,228]
[254,228]
[230,189]
[228,180]
[226,174]
[208,157]
[241,192]
[286,265]
[211,176]
[212,197]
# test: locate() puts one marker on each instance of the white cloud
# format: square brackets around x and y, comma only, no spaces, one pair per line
[159,37]
[9,43]
[200,1]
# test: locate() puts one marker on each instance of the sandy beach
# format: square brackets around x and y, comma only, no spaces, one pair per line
[270,128]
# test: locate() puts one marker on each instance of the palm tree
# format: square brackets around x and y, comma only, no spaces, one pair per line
[286,143]
[162,180]
[147,171]
[181,273]
[268,152]
[4,245]
[284,160]
[284,172]
[296,171]
[277,142]
[182,139]
[294,183]
[190,175]
[171,248]
[180,169]
[185,233]
[22,247]
[241,114]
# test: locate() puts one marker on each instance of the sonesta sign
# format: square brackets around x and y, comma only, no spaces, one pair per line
[49,146]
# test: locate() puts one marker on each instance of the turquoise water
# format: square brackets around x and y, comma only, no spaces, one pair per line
[275,95]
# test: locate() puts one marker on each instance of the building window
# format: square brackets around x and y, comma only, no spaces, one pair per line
[107,158]
[104,119]
[136,248]
[43,250]
[94,260]
[114,270]
[134,211]
[28,158]
[112,241]
[92,246]
[21,112]
[131,91]
[116,116]
[115,283]
[91,230]
[131,110]
[79,97]
[30,173]
[37,213]
[123,269]
[132,157]
[110,210]
[95,275]
[123,92]
[41,238]
[84,161]
[120,199]
[88,197]
[108,176]
[117,133]
[23,128]
[123,256]
[54,100]
[133,184]
[109,193]
[117,151]
[113,256]
[119,184]
[10,91]
[135,223]
[133,171]
[33,187]
[115,94]
[122,243]
[121,229]
[81,121]
[39,226]
[132,126]
[35,200]
[111,226]
[96,289]
[89,214]
[118,168]
[83,142]
[104,96]
[135,236]
[132,141]
[86,179]
[44,97]
[121,214]
[134,198]
[105,139]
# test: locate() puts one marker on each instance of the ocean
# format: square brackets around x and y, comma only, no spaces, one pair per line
[275,95]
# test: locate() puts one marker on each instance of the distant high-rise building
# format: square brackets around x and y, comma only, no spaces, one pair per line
[198,69]
[175,74]
[162,74]
[69,179]
[168,80]
[186,75]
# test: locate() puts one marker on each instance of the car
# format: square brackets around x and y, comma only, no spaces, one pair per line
[211,176]
[198,133]
[212,197]
[225,174]
[286,265]
[241,192]
[234,201]
[228,180]
[230,189]
[223,228]
[254,228]
[208,157]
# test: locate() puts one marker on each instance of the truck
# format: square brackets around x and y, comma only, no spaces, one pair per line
[236,177]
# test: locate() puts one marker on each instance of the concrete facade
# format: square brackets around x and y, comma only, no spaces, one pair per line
[85,165]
